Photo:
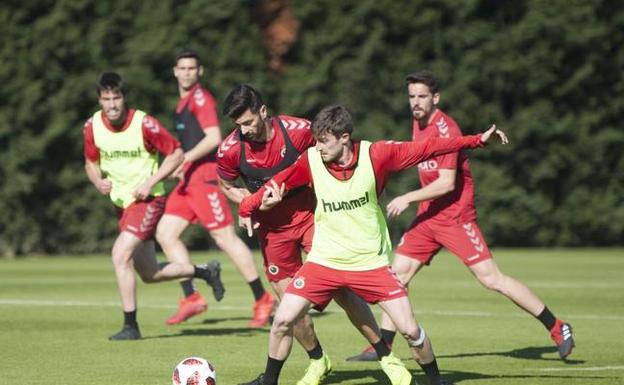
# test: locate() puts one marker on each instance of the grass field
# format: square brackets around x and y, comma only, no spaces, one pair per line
[56,315]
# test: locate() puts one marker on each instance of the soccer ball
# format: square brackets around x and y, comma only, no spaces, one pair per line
[194,371]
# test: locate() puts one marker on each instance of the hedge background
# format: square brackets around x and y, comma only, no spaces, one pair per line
[550,72]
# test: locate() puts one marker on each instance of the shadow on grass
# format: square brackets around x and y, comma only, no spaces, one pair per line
[241,332]
[376,376]
[529,353]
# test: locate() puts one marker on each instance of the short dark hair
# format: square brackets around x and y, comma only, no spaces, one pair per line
[425,77]
[187,54]
[335,119]
[110,81]
[240,99]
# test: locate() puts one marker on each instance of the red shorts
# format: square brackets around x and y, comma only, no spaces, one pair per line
[318,284]
[425,238]
[281,250]
[141,218]
[199,200]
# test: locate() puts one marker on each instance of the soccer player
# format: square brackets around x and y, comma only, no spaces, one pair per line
[351,243]
[121,148]
[256,150]
[447,217]
[197,197]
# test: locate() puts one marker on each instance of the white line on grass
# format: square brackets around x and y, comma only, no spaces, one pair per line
[27,302]
[588,369]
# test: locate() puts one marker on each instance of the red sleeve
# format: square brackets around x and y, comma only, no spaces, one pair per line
[157,138]
[296,175]
[91,152]
[389,157]
[228,157]
[449,161]
[204,107]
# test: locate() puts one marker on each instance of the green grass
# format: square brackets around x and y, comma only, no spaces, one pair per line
[56,315]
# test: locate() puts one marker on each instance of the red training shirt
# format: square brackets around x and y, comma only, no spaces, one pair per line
[456,205]
[298,207]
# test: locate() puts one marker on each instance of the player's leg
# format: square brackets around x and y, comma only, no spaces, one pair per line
[416,248]
[490,276]
[178,216]
[122,252]
[467,242]
[360,315]
[400,312]
[292,307]
[282,260]
[238,252]
[213,211]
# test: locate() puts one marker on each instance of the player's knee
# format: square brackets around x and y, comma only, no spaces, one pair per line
[148,278]
[492,282]
[416,338]
[121,257]
[281,324]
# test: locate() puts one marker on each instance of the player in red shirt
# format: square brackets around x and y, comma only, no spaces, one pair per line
[197,197]
[120,149]
[257,149]
[447,217]
[337,260]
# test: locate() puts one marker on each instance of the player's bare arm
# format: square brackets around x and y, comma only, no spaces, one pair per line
[443,185]
[94,173]
[169,164]
[233,192]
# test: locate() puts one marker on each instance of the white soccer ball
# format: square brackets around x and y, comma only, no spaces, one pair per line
[194,371]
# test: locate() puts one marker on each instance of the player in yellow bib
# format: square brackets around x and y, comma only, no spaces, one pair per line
[351,244]
[121,148]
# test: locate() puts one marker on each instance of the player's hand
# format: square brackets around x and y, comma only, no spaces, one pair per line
[397,206]
[273,195]
[104,186]
[248,224]
[142,192]
[493,130]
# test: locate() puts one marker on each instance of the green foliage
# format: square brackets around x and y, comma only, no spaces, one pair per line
[549,72]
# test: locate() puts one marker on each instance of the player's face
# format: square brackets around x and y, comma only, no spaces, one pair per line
[252,125]
[187,71]
[331,147]
[113,105]
[422,101]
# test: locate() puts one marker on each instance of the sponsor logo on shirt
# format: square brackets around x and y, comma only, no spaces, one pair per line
[345,205]
[121,154]
[428,165]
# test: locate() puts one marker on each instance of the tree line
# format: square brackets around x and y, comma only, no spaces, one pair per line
[549,72]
